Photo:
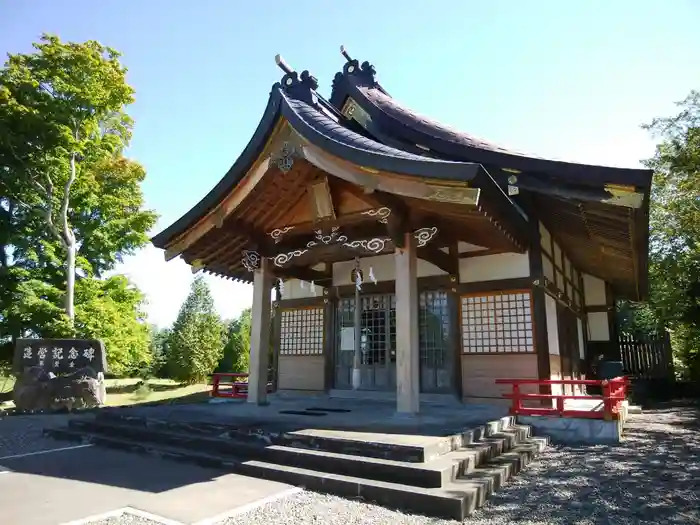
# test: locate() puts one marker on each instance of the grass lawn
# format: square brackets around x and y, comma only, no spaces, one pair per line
[133,391]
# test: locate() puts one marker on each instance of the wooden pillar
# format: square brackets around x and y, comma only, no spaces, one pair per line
[407,351]
[260,334]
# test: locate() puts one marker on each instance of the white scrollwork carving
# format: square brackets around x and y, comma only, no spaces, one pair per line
[375,245]
[333,237]
[425,235]
[284,258]
[382,214]
[277,233]
[251,260]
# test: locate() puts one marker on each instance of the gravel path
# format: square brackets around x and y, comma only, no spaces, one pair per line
[653,477]
[25,434]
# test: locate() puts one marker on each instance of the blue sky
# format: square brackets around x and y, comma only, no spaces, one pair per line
[567,79]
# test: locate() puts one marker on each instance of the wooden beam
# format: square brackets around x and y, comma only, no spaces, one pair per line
[445,261]
[397,223]
[302,273]
[481,253]
[366,230]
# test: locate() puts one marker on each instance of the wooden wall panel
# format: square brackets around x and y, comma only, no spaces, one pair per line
[479,373]
[301,373]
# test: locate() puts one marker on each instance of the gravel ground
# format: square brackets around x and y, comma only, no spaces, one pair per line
[126,518]
[653,477]
[25,434]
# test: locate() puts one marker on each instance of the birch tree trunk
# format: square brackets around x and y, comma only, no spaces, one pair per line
[69,243]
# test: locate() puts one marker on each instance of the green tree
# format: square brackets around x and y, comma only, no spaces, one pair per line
[159,351]
[237,350]
[63,129]
[196,343]
[674,254]
[112,310]
[71,204]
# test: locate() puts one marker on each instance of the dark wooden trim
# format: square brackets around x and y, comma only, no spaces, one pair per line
[432,282]
[455,312]
[612,320]
[302,274]
[499,285]
[300,302]
[276,339]
[598,308]
[499,353]
[482,253]
[329,311]
[555,293]
[438,258]
[555,266]
[539,310]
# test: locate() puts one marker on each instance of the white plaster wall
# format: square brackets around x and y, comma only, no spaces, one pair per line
[463,247]
[548,269]
[593,290]
[598,328]
[545,239]
[383,267]
[581,345]
[552,325]
[295,289]
[493,267]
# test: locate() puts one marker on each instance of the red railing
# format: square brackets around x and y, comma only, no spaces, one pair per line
[234,387]
[614,393]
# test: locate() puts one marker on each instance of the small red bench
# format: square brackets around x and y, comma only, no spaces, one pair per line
[233,385]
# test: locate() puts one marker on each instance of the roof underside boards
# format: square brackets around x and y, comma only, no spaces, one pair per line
[605,233]
[221,249]
[222,232]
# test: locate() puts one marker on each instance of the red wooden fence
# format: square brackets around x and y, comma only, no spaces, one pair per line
[614,393]
[234,386]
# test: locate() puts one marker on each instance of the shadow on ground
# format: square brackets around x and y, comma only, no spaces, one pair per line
[653,476]
[113,468]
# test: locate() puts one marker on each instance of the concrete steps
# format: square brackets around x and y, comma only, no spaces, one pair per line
[461,471]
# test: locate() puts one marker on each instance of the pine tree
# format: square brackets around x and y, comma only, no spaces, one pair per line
[196,342]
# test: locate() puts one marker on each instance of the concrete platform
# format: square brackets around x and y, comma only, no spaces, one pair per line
[442,417]
[443,462]
[69,485]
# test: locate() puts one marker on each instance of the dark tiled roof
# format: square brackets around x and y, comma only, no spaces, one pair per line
[426,125]
[339,133]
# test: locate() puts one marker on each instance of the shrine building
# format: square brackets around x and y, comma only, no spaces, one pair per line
[394,257]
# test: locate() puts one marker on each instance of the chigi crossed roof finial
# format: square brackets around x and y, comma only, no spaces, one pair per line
[302,87]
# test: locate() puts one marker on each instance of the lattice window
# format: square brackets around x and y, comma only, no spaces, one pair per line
[434,328]
[301,331]
[499,322]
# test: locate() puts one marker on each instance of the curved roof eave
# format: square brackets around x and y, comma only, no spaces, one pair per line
[323,132]
[574,173]
[233,176]
[344,143]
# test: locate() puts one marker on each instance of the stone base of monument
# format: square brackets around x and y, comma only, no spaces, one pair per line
[38,390]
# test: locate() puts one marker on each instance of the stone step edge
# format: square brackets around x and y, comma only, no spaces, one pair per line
[418,453]
[454,502]
[432,474]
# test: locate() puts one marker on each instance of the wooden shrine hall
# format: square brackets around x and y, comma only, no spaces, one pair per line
[408,258]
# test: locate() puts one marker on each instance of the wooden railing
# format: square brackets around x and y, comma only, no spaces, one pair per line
[235,386]
[614,393]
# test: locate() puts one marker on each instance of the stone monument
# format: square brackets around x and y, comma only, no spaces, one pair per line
[59,373]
